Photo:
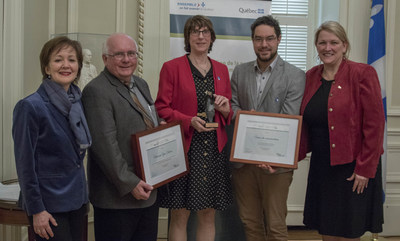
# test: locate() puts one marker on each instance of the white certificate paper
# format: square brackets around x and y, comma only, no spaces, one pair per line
[162,155]
[266,138]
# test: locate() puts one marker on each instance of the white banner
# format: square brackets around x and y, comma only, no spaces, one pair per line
[231,20]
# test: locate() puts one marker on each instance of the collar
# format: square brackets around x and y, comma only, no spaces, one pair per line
[114,80]
[269,68]
[131,84]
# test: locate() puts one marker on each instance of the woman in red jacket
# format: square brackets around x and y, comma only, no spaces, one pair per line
[182,95]
[343,127]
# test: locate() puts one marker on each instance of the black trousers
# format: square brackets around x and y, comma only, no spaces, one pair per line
[70,225]
[139,224]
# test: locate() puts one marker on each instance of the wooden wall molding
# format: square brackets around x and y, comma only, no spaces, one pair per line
[12,79]
[394,111]
[140,41]
[120,16]
[73,15]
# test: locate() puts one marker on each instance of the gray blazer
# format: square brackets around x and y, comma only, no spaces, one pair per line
[112,117]
[282,94]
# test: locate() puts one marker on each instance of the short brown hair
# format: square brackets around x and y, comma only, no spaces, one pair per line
[338,30]
[55,45]
[197,21]
[266,20]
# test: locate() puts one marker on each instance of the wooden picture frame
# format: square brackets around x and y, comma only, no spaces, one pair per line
[159,154]
[266,138]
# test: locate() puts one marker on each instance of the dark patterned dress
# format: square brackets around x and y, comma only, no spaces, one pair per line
[208,183]
[331,207]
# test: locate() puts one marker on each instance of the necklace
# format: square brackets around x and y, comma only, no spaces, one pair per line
[202,70]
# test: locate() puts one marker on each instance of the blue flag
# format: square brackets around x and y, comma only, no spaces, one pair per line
[376,58]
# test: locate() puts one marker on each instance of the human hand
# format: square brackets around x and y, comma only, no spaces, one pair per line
[267,167]
[198,124]
[142,191]
[360,182]
[221,104]
[41,224]
[163,122]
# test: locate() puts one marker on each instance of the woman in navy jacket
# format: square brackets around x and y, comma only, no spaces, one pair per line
[343,127]
[50,138]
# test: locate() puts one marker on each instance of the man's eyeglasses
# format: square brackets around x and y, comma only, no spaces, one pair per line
[121,55]
[269,39]
[206,32]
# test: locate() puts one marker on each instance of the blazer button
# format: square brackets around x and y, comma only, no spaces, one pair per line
[332,127]
[330,109]
[333,145]
[330,95]
[333,82]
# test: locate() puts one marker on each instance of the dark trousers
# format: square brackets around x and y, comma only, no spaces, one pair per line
[71,225]
[139,224]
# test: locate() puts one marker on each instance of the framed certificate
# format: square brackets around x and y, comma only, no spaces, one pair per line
[159,155]
[266,138]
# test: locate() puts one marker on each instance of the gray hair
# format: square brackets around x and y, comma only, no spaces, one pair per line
[106,44]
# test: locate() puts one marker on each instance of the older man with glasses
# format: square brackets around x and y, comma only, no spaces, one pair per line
[118,104]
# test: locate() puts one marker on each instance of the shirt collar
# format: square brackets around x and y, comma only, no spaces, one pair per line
[269,68]
[132,83]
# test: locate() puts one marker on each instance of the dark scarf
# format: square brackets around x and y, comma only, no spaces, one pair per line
[69,105]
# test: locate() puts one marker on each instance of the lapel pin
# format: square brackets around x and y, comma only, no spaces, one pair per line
[339,87]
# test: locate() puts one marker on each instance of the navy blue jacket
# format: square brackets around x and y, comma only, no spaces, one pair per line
[49,162]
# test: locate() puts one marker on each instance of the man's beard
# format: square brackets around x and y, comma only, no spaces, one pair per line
[271,57]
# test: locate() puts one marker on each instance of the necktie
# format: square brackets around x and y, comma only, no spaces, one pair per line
[146,118]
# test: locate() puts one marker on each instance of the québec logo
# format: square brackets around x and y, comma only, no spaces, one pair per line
[251,11]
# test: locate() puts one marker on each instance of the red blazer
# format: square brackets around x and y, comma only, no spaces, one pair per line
[177,99]
[356,119]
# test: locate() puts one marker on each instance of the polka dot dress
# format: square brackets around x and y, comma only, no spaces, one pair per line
[208,183]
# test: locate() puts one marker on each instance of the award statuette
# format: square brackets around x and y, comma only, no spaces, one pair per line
[210,111]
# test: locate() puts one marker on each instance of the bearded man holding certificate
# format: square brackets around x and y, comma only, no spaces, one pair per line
[268,84]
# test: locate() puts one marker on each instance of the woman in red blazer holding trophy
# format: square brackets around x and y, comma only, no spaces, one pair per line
[196,90]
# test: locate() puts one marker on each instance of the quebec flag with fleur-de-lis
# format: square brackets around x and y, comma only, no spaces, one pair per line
[376,58]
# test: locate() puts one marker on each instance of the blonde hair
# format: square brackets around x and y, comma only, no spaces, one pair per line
[338,30]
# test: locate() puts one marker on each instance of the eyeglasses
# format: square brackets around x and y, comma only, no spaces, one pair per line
[268,39]
[121,55]
[206,32]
